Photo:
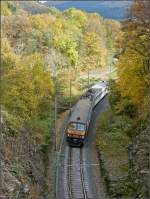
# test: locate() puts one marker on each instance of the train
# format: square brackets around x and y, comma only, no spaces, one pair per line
[80,116]
[99,90]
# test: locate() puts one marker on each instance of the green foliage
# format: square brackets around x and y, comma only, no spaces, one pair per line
[120,105]
[124,129]
[9,58]
[31,90]
[54,11]
[12,7]
[12,122]
[76,16]
[113,31]
[126,107]
[8,8]
[68,47]
[114,136]
[93,51]
[34,48]
[42,50]
[5,11]
[115,94]
[41,130]
[112,141]
[133,65]
[41,21]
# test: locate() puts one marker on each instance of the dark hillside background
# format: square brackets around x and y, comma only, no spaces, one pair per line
[31,7]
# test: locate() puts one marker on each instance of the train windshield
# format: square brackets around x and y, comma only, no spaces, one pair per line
[80,127]
[72,126]
[76,126]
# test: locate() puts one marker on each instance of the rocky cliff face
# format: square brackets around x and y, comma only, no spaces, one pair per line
[25,171]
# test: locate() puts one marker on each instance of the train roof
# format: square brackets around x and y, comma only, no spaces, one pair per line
[99,85]
[82,110]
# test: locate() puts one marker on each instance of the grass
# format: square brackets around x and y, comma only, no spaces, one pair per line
[112,142]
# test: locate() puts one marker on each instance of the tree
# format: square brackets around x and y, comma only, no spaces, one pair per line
[42,21]
[133,66]
[93,51]
[30,86]
[76,16]
[113,31]
[68,47]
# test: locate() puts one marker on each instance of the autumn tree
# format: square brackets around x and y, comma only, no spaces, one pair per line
[133,66]
[92,50]
[76,16]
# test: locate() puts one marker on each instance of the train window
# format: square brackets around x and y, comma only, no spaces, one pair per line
[98,95]
[77,126]
[80,127]
[72,126]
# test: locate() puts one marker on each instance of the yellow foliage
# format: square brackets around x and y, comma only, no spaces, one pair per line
[79,17]
[132,82]
[4,9]
[95,52]
[133,65]
[5,45]
[58,27]
[9,58]
[42,21]
[29,82]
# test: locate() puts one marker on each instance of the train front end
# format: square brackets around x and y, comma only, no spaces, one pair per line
[79,121]
[76,133]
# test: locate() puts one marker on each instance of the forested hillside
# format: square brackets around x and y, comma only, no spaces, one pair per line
[41,53]
[122,136]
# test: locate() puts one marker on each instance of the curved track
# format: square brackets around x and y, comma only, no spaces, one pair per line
[79,175]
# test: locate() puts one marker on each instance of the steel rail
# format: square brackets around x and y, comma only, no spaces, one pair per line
[82,173]
[69,173]
[72,175]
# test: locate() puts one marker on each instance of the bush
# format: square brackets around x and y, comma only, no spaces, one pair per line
[41,130]
[119,104]
[115,95]
[125,107]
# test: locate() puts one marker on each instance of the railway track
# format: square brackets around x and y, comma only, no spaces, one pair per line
[79,176]
[76,176]
[78,180]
